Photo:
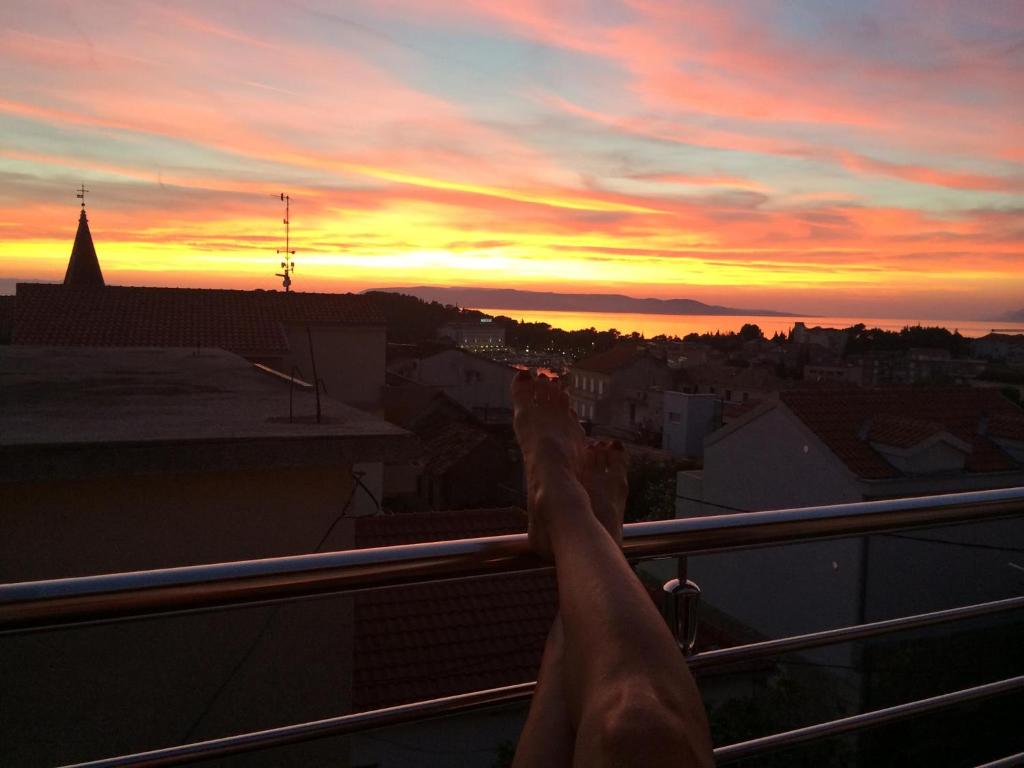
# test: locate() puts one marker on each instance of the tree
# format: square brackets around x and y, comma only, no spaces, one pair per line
[750,332]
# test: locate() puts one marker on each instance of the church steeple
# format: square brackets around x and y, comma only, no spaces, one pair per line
[84,267]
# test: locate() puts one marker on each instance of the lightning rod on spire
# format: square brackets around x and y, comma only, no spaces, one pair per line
[80,194]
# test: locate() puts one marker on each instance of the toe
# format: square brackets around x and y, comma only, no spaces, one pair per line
[547,389]
[522,388]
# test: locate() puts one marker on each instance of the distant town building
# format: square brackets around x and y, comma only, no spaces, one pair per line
[733,384]
[831,339]
[482,386]
[613,390]
[915,366]
[1001,348]
[688,420]
[462,462]
[823,374]
[820,446]
[483,334]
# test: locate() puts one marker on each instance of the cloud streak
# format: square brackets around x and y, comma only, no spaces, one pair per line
[666,148]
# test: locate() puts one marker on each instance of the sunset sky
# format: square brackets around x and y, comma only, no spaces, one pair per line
[826,157]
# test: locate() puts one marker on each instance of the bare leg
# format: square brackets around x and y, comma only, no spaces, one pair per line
[547,738]
[628,689]
[548,735]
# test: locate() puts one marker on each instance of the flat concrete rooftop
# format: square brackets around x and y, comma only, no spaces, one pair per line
[64,398]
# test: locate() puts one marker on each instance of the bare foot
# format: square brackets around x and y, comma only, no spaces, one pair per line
[552,443]
[604,475]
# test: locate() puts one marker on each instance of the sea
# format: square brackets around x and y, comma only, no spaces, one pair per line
[681,325]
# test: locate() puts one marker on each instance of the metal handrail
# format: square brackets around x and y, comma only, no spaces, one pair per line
[452,705]
[60,602]
[864,720]
[36,605]
[1005,762]
[755,651]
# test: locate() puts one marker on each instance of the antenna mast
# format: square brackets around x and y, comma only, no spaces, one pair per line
[287,266]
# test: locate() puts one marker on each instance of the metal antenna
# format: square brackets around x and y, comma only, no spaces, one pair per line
[80,194]
[287,266]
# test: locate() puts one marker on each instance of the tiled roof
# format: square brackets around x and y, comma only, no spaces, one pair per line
[610,360]
[734,411]
[752,377]
[1007,425]
[450,444]
[435,640]
[245,322]
[901,431]
[839,418]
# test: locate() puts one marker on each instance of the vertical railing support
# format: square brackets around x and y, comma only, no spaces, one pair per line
[680,605]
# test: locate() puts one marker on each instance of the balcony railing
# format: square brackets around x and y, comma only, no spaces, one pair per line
[34,606]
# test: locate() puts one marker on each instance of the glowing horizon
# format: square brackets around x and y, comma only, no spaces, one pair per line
[838,160]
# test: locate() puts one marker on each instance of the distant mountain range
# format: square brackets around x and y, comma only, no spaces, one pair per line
[1017,316]
[509,298]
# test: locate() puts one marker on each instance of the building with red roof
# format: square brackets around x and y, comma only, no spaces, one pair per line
[336,338]
[820,447]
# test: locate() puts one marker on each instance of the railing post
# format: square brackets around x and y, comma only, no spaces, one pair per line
[680,604]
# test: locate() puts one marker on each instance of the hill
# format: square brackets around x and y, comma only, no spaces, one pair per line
[509,298]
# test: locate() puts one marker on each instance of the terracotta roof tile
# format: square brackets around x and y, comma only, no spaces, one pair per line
[450,444]
[244,322]
[839,419]
[1007,425]
[901,431]
[440,639]
[734,411]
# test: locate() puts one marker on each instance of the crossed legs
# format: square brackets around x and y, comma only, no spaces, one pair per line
[613,688]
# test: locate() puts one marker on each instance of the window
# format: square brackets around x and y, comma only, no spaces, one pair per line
[600,387]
